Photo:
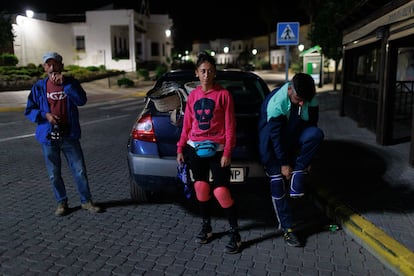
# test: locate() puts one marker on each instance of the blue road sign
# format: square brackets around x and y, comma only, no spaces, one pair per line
[287,33]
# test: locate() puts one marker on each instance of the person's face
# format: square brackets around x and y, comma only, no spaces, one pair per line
[294,98]
[53,66]
[206,73]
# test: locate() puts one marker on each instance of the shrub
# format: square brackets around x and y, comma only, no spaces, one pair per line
[8,59]
[160,69]
[125,82]
[143,73]
[92,68]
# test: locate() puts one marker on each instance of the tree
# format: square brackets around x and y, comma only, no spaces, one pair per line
[325,33]
[6,34]
[268,12]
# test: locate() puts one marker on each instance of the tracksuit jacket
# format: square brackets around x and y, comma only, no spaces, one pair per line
[280,124]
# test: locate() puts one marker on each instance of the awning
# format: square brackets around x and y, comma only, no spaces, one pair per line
[316,48]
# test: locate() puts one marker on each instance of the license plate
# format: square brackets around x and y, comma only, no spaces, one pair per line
[237,175]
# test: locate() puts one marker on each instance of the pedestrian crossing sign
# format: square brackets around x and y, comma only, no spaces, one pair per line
[287,33]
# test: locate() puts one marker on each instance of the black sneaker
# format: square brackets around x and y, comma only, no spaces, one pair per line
[205,234]
[234,244]
[291,239]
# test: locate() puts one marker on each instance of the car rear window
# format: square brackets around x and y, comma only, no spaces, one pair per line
[245,90]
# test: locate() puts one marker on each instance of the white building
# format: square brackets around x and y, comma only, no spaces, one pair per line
[118,39]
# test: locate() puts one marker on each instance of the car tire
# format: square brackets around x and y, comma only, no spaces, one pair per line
[137,193]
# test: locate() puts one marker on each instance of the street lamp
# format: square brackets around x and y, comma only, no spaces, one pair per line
[29,13]
[168,33]
[23,25]
[225,50]
[254,53]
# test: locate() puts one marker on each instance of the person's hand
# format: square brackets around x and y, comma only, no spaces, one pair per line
[225,161]
[286,171]
[180,158]
[52,118]
[56,78]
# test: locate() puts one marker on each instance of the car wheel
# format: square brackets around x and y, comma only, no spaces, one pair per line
[137,193]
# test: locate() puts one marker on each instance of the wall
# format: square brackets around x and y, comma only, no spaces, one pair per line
[35,37]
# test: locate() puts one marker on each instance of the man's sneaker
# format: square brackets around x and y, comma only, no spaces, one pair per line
[205,234]
[291,239]
[297,184]
[234,244]
[91,207]
[62,209]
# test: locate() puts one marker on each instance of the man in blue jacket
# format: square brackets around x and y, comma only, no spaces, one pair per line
[53,104]
[289,138]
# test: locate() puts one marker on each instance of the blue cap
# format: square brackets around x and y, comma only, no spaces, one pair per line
[52,55]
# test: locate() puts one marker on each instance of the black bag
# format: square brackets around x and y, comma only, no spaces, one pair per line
[183,177]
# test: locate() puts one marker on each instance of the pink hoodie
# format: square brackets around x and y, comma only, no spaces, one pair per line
[209,116]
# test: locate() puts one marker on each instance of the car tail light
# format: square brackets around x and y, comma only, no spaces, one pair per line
[144,129]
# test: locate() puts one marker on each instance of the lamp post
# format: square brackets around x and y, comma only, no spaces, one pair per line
[168,45]
[225,50]
[254,53]
[301,47]
[23,24]
[321,71]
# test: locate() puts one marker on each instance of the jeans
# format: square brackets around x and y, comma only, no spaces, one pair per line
[74,156]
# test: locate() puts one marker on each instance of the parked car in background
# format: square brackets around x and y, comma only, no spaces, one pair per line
[247,67]
[151,147]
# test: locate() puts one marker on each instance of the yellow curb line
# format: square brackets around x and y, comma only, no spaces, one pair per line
[11,109]
[137,94]
[396,256]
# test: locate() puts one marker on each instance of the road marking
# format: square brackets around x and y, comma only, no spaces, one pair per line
[82,124]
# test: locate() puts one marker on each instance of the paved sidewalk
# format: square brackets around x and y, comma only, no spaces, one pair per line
[367,188]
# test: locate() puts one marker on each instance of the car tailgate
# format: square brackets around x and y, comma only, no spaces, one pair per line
[166,133]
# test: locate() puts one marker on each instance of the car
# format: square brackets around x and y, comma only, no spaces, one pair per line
[151,146]
[247,67]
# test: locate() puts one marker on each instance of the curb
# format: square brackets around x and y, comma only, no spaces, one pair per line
[12,109]
[390,252]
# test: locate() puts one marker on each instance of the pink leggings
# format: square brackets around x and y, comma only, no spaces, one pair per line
[221,193]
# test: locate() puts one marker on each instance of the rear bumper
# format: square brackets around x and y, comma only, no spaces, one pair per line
[160,174]
[155,166]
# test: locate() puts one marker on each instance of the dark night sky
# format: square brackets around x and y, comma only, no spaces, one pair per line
[193,20]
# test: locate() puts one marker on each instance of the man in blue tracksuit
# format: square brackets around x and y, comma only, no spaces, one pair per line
[53,104]
[289,138]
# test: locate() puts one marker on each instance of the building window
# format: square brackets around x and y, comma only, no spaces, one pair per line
[155,49]
[120,48]
[80,43]
[138,49]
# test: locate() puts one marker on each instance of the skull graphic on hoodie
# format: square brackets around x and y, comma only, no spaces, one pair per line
[204,112]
